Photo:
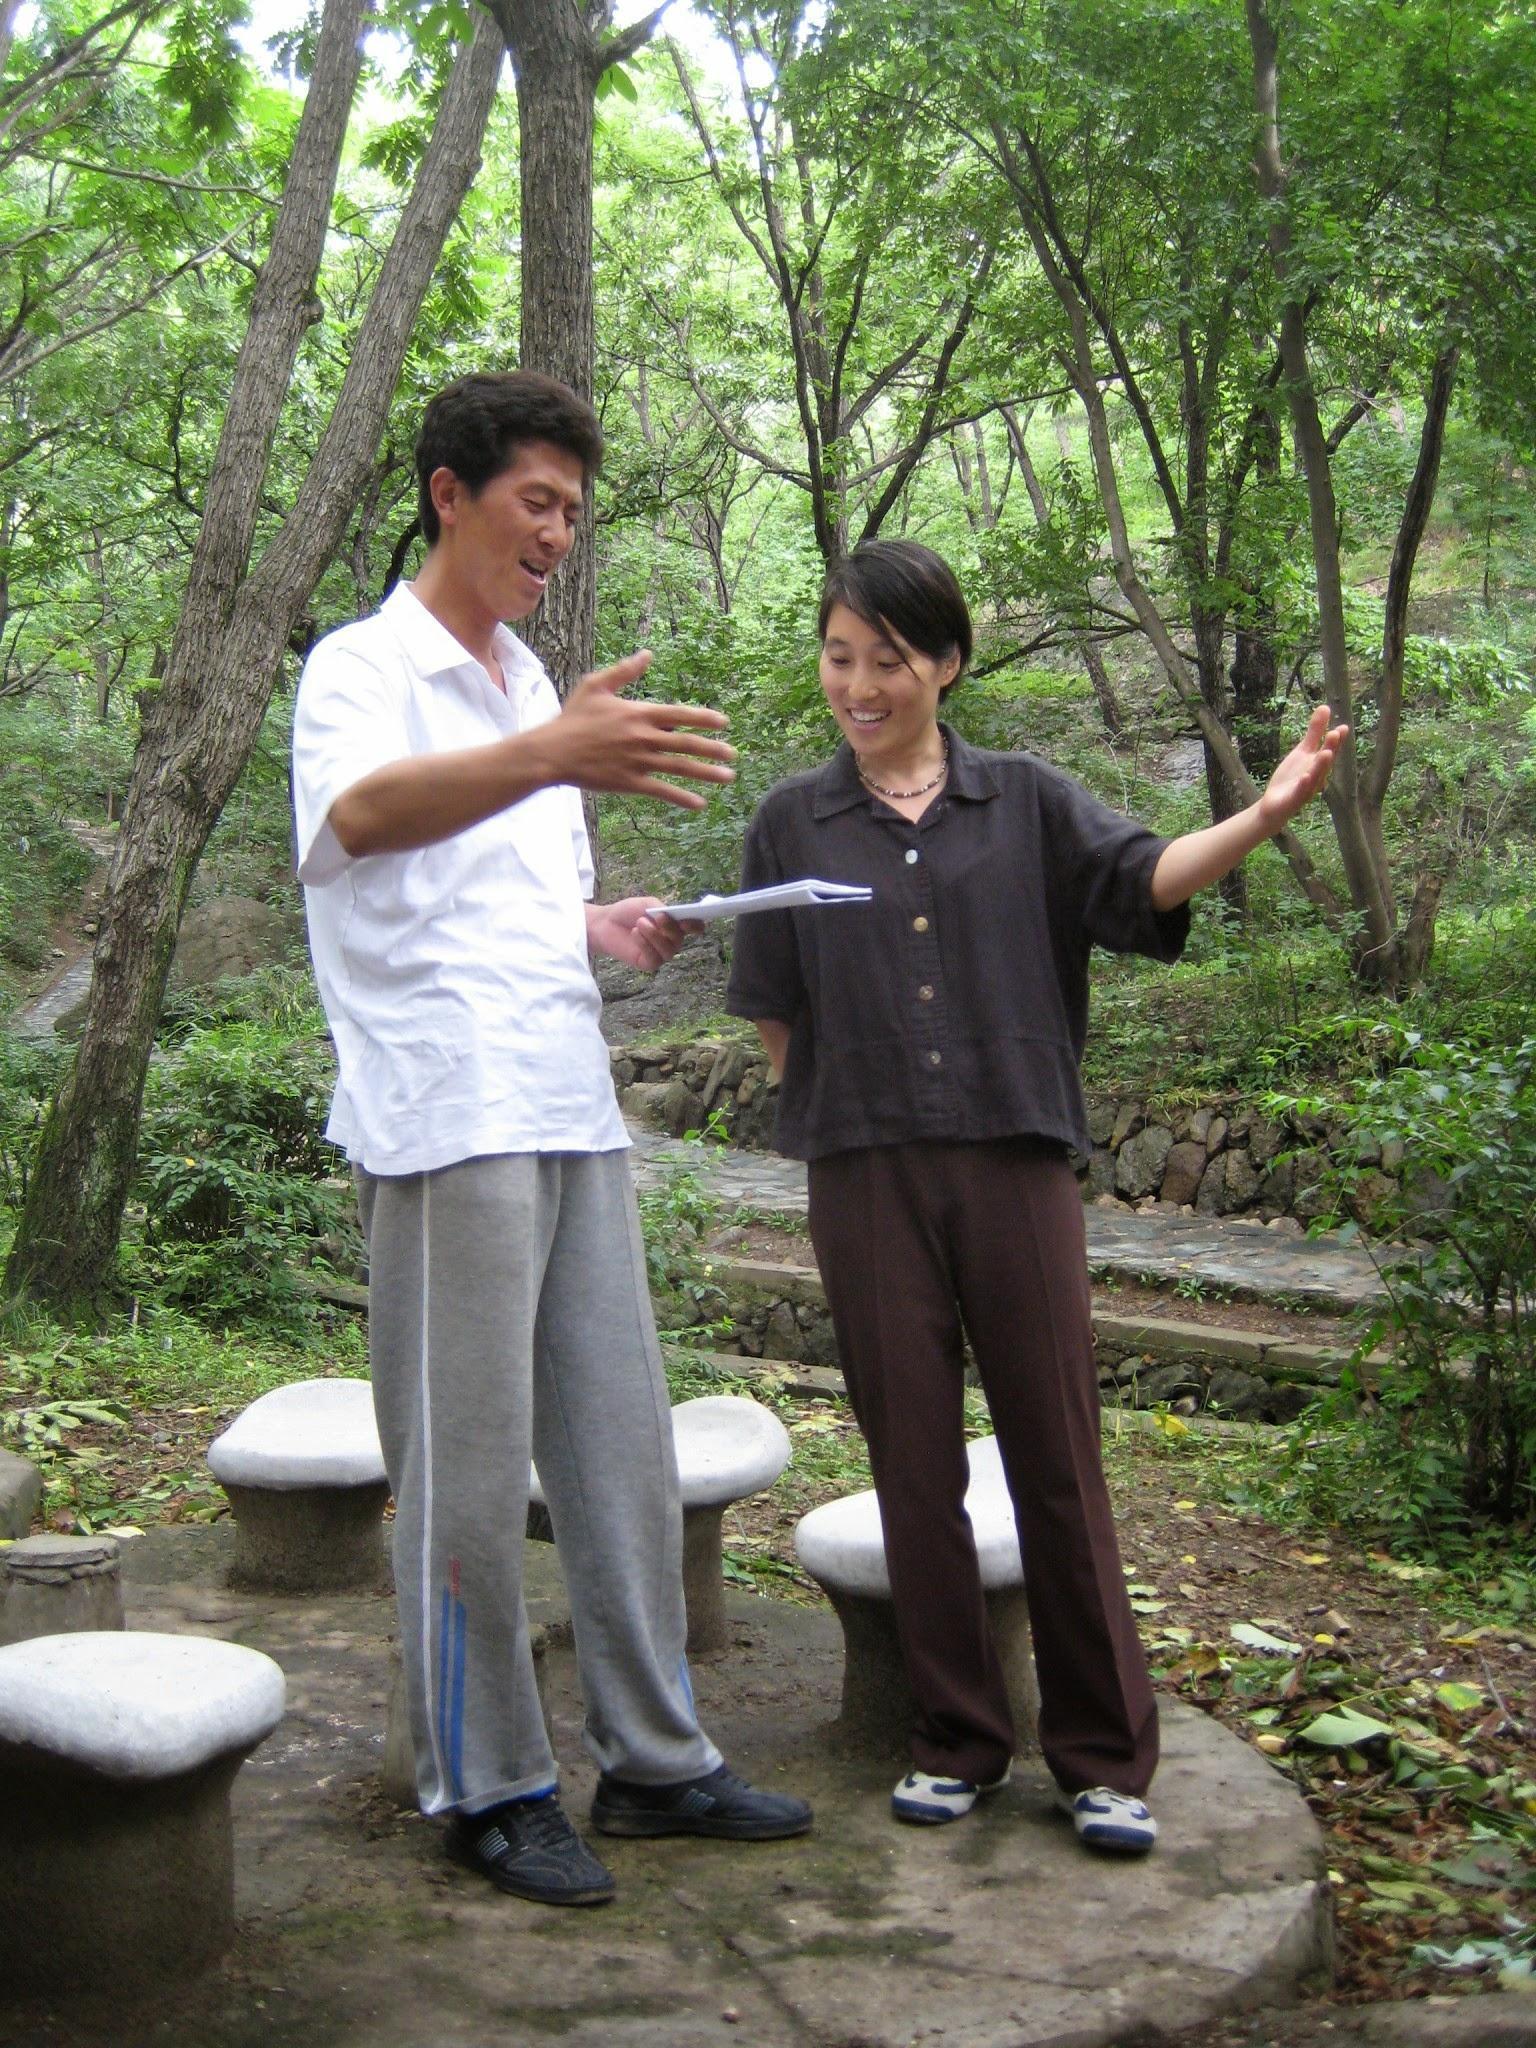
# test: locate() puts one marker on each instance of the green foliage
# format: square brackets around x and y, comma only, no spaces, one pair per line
[31,1070]
[1451,1436]
[676,1216]
[235,1175]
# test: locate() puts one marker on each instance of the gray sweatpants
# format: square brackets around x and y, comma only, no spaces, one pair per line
[508,1315]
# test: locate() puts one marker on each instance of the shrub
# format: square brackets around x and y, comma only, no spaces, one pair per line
[1459,1400]
[30,1072]
[237,1179]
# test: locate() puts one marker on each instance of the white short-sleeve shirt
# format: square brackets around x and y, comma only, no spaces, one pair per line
[455,977]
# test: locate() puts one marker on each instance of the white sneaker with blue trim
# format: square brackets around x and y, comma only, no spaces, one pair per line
[926,1800]
[1114,1822]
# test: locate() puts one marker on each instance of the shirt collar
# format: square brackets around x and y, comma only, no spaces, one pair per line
[838,788]
[432,650]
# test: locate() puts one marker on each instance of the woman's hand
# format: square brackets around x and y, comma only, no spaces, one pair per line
[1303,772]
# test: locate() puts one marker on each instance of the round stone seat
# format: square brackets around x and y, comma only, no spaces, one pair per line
[305,1478]
[842,1547]
[117,1754]
[727,1448]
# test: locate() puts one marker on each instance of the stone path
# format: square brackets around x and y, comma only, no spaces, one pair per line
[998,1933]
[1245,1259]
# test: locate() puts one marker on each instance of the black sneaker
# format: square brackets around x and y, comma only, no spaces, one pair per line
[530,1849]
[721,1804]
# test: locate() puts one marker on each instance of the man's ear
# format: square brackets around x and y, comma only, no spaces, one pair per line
[448,492]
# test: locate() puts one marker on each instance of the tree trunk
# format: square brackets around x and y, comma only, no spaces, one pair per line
[559,53]
[229,643]
[1381,953]
[1088,653]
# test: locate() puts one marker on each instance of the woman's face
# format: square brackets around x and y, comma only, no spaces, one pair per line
[883,694]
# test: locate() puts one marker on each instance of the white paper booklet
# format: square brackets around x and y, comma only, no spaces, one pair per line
[782,896]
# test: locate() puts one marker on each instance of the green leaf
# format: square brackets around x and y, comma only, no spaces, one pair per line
[1343,1728]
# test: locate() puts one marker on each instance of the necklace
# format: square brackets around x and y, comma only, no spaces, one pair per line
[901,795]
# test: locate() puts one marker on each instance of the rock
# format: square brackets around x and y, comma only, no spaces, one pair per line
[782,1337]
[1101,1171]
[227,937]
[643,1101]
[1139,1165]
[1392,1154]
[1499,2019]
[1196,1125]
[1216,1136]
[1166,1383]
[1242,1396]
[726,1072]
[1182,1170]
[1242,1189]
[1287,1399]
[21,1494]
[681,1109]
[691,985]
[1369,1191]
[1101,1121]
[1129,1119]
[1264,1140]
[1212,1197]
[1289,1225]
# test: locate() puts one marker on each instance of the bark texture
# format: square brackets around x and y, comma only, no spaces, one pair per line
[234,625]
[559,51]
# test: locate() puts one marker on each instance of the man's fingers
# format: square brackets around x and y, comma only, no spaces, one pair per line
[669,793]
[697,747]
[703,715]
[619,676]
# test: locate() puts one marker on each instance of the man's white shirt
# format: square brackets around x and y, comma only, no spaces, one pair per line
[455,977]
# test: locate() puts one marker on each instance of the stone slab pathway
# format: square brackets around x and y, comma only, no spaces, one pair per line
[1245,1259]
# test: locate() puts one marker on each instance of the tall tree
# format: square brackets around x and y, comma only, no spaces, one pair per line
[561,51]
[235,623]
[878,275]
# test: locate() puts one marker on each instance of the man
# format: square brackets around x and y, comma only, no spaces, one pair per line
[446,868]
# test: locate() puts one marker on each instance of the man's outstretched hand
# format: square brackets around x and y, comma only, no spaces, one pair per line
[603,740]
[1303,772]
[633,931]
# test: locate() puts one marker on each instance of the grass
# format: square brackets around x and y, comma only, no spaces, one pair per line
[118,1422]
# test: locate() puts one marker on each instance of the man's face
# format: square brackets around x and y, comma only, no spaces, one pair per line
[505,543]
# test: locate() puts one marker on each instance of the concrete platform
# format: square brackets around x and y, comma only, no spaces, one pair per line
[998,1932]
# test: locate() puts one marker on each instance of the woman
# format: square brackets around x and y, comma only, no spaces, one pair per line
[929,1047]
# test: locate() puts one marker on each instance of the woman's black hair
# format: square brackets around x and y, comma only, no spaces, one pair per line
[900,586]
[476,426]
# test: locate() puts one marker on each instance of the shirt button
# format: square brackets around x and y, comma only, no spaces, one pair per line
[925,993]
[935,1059]
[919,924]
[910,856]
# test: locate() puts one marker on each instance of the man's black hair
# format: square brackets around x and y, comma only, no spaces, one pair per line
[476,426]
[901,586]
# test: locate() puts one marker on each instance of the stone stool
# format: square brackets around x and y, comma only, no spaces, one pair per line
[727,1448]
[56,1585]
[842,1546]
[305,1478]
[117,1754]
[21,1494]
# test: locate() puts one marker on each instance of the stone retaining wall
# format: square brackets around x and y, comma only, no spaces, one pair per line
[780,1314]
[1220,1159]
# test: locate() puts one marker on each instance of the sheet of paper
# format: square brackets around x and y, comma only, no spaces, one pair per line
[782,896]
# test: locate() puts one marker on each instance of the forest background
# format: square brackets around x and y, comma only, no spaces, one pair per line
[1200,336]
